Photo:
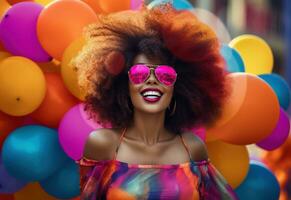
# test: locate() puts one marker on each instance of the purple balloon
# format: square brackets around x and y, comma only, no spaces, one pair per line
[9,184]
[74,129]
[279,134]
[18,31]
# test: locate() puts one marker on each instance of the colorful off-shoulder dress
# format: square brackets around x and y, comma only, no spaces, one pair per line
[116,180]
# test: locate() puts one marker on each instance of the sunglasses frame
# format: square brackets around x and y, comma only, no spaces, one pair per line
[153,67]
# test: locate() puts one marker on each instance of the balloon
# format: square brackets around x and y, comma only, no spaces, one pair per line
[279,134]
[8,184]
[22,86]
[33,153]
[57,102]
[12,2]
[135,4]
[4,6]
[94,5]
[232,161]
[199,131]
[69,74]
[280,86]
[255,52]
[55,29]
[8,124]
[213,22]
[4,55]
[33,191]
[64,183]
[74,130]
[233,60]
[29,121]
[43,2]
[250,113]
[260,184]
[177,4]
[18,31]
[109,6]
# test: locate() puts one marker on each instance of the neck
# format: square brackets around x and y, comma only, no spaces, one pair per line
[148,128]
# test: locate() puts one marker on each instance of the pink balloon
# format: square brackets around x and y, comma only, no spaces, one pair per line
[199,131]
[74,129]
[135,4]
[279,134]
[18,31]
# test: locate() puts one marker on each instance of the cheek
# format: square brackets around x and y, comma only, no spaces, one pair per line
[169,94]
[133,92]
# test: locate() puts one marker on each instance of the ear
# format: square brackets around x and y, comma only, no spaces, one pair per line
[114,62]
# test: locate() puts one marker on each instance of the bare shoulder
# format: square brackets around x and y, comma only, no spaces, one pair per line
[101,144]
[196,146]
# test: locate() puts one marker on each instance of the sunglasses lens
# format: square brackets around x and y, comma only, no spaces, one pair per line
[166,75]
[138,73]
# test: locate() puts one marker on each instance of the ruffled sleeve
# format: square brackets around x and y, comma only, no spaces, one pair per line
[90,176]
[212,185]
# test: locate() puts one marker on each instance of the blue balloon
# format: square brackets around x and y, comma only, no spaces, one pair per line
[8,183]
[280,87]
[177,4]
[33,153]
[233,60]
[260,184]
[65,183]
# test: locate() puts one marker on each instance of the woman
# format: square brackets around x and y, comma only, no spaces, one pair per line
[152,75]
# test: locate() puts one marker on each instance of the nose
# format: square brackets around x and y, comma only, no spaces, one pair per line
[152,79]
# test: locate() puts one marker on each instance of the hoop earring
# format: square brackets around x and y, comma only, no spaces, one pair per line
[173,110]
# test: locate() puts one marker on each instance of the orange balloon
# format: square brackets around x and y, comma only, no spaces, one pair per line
[94,5]
[232,161]
[6,197]
[57,102]
[61,22]
[109,6]
[8,124]
[251,112]
[33,191]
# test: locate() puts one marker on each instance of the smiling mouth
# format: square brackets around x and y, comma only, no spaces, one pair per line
[151,95]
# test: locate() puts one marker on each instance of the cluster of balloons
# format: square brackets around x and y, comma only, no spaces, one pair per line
[255,113]
[45,126]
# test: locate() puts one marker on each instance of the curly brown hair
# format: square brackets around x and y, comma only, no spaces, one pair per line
[176,37]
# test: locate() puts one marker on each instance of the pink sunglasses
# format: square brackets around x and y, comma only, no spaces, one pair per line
[165,74]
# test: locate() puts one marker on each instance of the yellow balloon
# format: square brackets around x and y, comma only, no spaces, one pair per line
[232,161]
[4,6]
[43,2]
[255,52]
[32,191]
[69,74]
[4,55]
[22,86]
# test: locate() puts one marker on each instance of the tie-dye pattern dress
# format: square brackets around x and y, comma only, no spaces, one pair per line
[116,180]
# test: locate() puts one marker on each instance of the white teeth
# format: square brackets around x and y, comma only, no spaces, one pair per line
[152,93]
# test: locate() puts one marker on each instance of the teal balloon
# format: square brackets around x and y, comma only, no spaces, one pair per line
[65,183]
[260,184]
[280,87]
[177,4]
[232,58]
[33,153]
